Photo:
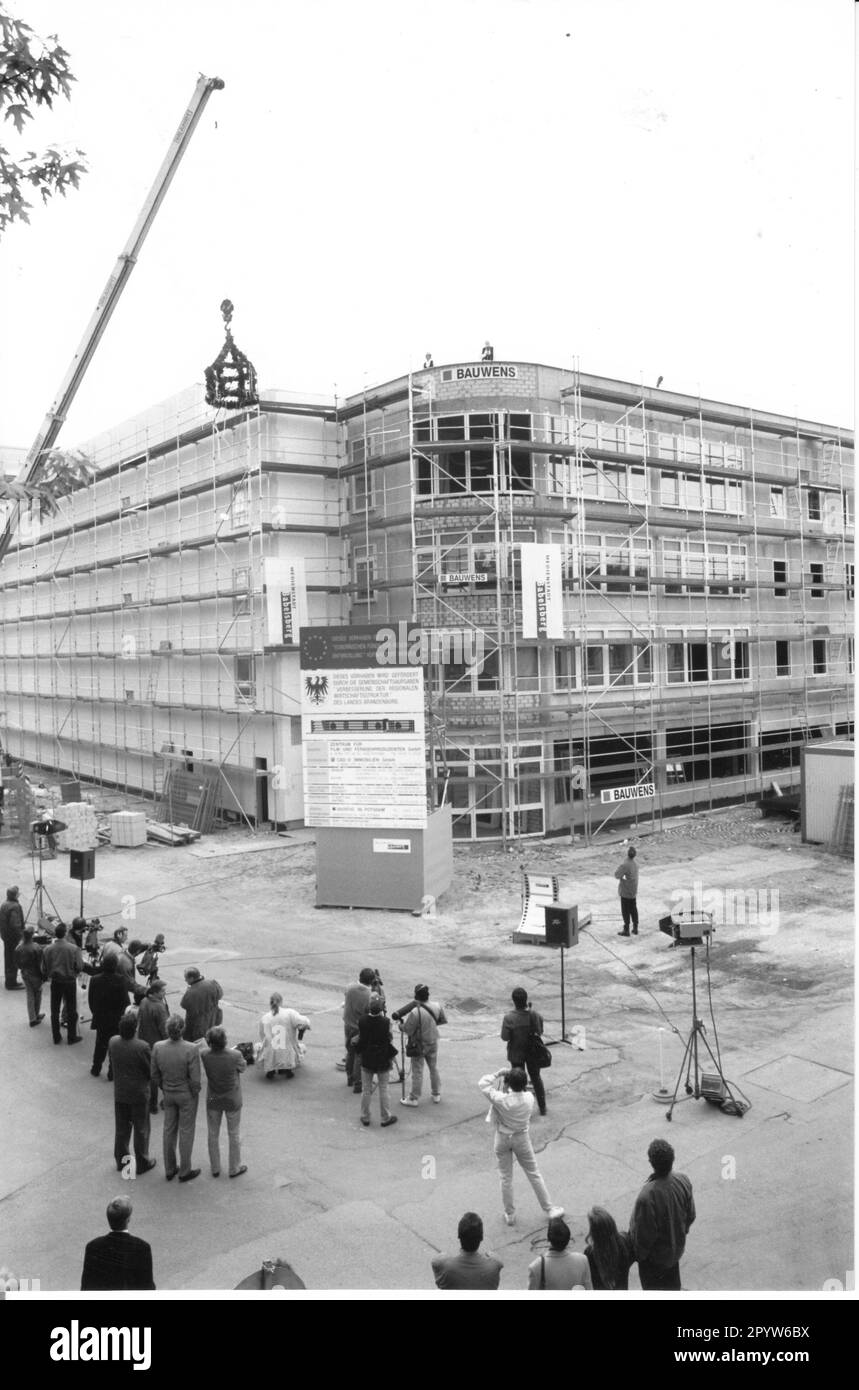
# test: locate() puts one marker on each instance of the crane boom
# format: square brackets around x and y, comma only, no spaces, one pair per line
[55,418]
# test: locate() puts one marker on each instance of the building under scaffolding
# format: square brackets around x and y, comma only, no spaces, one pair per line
[145,630]
[707,576]
[707,579]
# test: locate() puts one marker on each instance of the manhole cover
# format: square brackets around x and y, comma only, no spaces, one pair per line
[288,972]
[797,1078]
[467,1006]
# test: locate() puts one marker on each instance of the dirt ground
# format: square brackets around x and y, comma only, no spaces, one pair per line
[353,1208]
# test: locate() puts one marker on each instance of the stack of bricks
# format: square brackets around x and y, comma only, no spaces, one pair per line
[81,827]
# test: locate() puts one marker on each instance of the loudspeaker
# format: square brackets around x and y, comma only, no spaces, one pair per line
[562,926]
[82,864]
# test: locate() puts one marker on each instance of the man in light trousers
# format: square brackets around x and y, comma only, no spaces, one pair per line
[510,1111]
[422,1018]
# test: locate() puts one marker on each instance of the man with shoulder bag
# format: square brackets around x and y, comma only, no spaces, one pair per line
[422,1018]
[522,1031]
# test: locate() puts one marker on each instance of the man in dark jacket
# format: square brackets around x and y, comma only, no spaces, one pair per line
[11,931]
[375,1049]
[200,1002]
[118,1260]
[28,958]
[152,1027]
[108,1000]
[131,1063]
[518,1027]
[63,963]
[664,1211]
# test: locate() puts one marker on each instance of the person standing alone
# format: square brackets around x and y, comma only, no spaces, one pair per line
[11,931]
[627,875]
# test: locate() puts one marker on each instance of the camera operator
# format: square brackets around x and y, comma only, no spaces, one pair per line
[356,1004]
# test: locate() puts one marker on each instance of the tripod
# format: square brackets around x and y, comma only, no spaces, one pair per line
[40,891]
[563,1040]
[691,1063]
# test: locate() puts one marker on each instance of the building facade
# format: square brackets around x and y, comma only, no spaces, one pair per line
[707,576]
[706,567]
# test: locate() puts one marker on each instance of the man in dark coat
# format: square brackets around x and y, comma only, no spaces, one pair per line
[63,963]
[118,1260]
[200,1002]
[375,1049]
[517,1028]
[131,1063]
[11,931]
[108,1000]
[152,1018]
[28,958]
[664,1211]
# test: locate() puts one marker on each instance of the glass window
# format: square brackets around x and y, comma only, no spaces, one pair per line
[595,666]
[850,580]
[716,495]
[245,679]
[620,664]
[669,490]
[782,658]
[780,578]
[565,668]
[816,576]
[812,503]
[590,480]
[643,665]
[818,656]
[692,492]
[722,659]
[676,663]
[450,427]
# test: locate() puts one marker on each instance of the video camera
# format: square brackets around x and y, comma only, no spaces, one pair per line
[149,952]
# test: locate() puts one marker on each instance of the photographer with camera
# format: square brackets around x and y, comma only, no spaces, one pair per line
[422,1019]
[510,1110]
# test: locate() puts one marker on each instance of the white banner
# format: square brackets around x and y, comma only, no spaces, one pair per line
[285,601]
[542,594]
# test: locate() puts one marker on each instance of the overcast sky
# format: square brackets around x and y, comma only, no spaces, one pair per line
[641,189]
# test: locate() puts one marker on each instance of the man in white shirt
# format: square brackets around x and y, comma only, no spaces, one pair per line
[510,1111]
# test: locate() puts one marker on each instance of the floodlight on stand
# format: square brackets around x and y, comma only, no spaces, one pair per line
[41,830]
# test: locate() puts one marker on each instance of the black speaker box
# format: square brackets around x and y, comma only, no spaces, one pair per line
[562,926]
[82,864]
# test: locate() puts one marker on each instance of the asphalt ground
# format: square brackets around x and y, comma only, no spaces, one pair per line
[352,1208]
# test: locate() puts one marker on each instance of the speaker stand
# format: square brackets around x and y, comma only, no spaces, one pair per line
[563,1040]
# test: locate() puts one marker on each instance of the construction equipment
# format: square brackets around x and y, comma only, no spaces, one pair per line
[55,418]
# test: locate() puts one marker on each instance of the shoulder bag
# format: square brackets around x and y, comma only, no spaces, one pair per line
[537,1053]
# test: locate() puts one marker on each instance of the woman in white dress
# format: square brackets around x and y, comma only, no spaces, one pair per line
[280,1033]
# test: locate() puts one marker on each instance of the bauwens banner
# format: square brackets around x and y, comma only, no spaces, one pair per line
[542,595]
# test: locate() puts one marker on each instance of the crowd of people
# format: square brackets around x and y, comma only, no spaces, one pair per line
[656,1239]
[158,1060]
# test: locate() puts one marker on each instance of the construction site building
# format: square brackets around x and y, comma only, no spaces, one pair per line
[137,635]
[707,576]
